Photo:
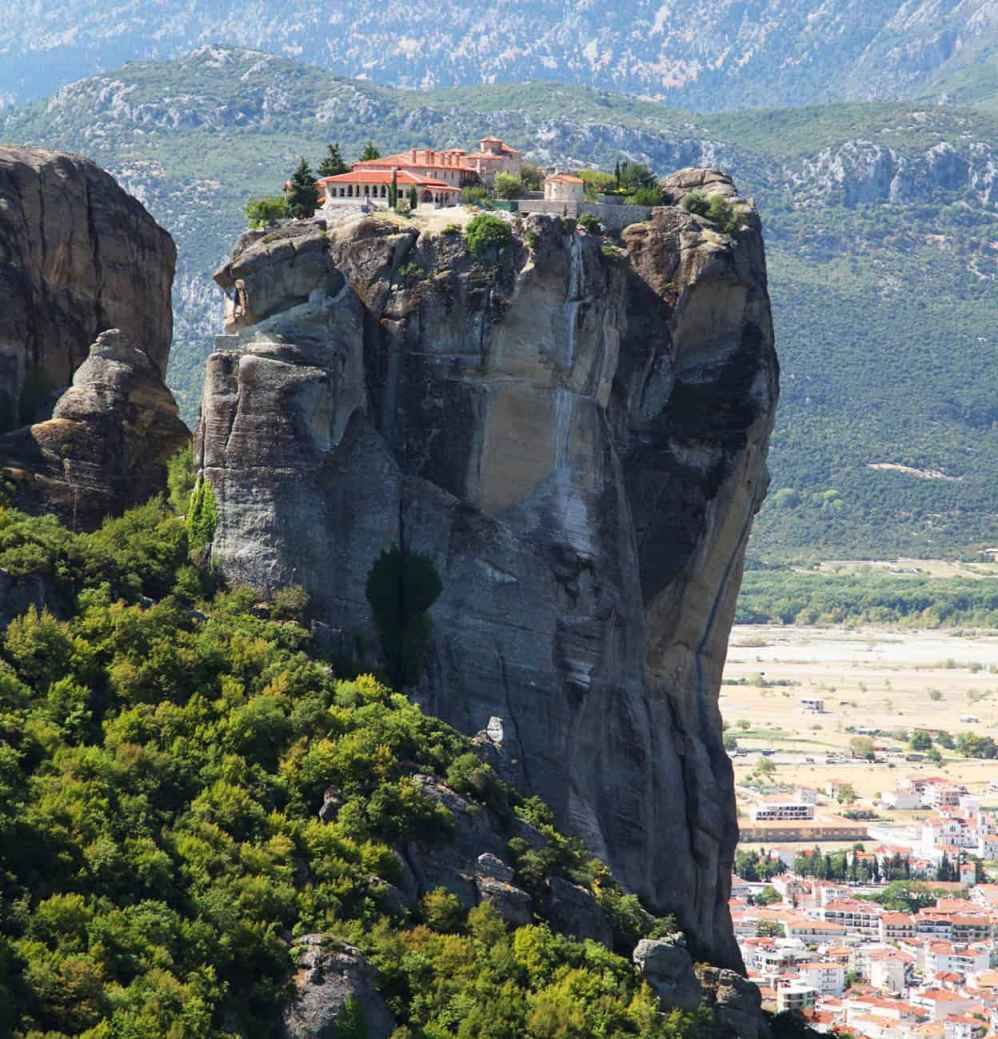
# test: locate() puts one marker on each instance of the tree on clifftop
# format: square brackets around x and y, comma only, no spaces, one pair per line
[303,198]
[332,164]
[370,152]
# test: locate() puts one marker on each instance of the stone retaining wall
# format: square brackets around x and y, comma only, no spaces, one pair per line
[613,218]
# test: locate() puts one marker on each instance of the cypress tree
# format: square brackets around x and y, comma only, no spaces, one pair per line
[332,164]
[303,197]
[413,198]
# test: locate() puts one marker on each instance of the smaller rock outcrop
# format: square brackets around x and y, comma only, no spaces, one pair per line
[470,864]
[107,443]
[665,963]
[736,1002]
[335,993]
[78,254]
[573,910]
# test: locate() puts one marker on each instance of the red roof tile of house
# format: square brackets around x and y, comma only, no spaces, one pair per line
[405,179]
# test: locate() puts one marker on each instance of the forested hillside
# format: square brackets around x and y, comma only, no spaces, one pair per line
[188,786]
[881,222]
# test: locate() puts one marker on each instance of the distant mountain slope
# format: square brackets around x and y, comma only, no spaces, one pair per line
[881,223]
[702,54]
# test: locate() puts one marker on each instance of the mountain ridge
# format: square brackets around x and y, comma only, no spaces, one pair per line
[704,55]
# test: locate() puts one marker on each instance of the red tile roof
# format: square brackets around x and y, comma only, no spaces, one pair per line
[405,179]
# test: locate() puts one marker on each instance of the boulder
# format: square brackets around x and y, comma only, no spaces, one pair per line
[574,911]
[510,902]
[736,1002]
[668,968]
[470,863]
[334,986]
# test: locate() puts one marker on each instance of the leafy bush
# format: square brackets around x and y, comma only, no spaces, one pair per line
[715,208]
[596,182]
[645,197]
[477,195]
[487,234]
[181,478]
[443,911]
[265,212]
[589,222]
[633,176]
[202,515]
[696,202]
[532,176]
[508,186]
[723,213]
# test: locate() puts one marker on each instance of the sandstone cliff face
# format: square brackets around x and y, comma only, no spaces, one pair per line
[576,437]
[77,256]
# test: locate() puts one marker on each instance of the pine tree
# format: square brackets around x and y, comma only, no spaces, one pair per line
[370,152]
[332,164]
[303,197]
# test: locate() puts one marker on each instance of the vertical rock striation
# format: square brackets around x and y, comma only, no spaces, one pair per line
[575,434]
[78,255]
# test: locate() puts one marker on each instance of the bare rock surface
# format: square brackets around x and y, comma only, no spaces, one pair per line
[736,1002]
[78,255]
[106,446]
[335,986]
[668,968]
[575,435]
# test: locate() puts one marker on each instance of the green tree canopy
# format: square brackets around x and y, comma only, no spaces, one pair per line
[302,194]
[332,164]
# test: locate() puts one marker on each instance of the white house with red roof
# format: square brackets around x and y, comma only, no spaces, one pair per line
[494,156]
[437,176]
[373,186]
[564,187]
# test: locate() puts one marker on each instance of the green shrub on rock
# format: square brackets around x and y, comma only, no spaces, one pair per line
[715,208]
[487,235]
[266,212]
[202,515]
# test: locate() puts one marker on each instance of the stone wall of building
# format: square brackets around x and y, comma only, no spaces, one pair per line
[613,218]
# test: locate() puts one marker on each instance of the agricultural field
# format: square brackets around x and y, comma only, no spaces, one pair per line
[886,683]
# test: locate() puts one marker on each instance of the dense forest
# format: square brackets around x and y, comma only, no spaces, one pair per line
[165,748]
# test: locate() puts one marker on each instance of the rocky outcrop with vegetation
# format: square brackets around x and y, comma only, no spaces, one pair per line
[885,210]
[517,472]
